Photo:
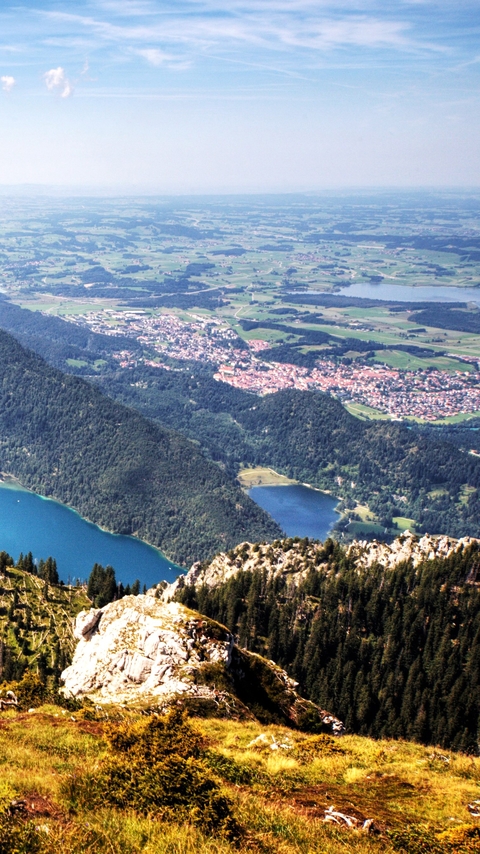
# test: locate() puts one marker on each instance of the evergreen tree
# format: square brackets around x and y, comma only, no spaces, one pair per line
[393,652]
[48,571]
[102,585]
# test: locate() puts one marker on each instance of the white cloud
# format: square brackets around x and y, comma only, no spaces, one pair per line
[258,26]
[7,82]
[157,57]
[154,56]
[57,81]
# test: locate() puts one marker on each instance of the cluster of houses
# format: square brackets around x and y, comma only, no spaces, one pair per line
[426,394]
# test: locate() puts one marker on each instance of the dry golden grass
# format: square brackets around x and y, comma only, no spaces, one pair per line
[417,796]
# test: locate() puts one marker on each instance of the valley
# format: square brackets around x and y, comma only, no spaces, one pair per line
[299,292]
[63,439]
[166,304]
[364,462]
[283,395]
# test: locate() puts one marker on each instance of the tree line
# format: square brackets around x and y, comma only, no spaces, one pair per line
[392,652]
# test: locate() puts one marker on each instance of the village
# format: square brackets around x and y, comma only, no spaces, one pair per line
[424,394]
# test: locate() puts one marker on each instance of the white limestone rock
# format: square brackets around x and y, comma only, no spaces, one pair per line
[143,651]
[247,557]
[86,622]
[140,648]
[407,547]
[276,561]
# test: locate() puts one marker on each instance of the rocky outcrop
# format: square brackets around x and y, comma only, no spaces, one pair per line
[408,547]
[140,648]
[292,559]
[244,558]
[142,651]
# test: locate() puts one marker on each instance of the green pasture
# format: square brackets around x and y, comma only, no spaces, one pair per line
[462,416]
[402,361]
[77,363]
[366,412]
[403,523]
[366,529]
[449,419]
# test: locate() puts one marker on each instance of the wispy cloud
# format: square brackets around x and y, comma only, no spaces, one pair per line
[57,81]
[156,57]
[267,28]
[126,8]
[7,82]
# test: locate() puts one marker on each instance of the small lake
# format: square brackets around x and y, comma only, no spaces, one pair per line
[403,293]
[299,510]
[29,522]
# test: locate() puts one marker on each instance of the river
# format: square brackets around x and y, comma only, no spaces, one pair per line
[29,522]
[299,510]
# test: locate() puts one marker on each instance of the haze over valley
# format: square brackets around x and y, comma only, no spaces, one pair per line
[239,427]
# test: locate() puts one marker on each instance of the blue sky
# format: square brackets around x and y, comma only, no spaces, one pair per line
[241,95]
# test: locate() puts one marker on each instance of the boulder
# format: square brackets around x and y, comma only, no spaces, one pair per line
[86,622]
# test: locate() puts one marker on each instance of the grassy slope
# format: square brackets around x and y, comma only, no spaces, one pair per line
[50,616]
[417,797]
[64,438]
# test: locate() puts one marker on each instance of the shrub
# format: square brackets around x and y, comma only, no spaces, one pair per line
[317,745]
[19,838]
[465,838]
[414,839]
[154,766]
[30,691]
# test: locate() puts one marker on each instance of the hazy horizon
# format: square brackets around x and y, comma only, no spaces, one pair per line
[118,191]
[250,96]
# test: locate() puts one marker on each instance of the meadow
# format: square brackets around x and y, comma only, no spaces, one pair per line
[416,797]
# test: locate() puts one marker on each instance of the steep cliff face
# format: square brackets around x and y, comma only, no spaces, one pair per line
[141,651]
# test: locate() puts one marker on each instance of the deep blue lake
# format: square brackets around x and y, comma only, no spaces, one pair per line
[299,510]
[29,522]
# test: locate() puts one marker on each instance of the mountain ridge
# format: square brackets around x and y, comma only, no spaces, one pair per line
[387,637]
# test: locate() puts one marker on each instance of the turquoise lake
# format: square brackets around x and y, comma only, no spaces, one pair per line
[299,510]
[29,522]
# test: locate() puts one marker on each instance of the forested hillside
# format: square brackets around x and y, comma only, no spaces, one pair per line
[64,345]
[397,470]
[312,438]
[394,651]
[61,437]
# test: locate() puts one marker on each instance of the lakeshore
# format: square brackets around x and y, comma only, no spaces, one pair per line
[300,509]
[31,522]
[260,476]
